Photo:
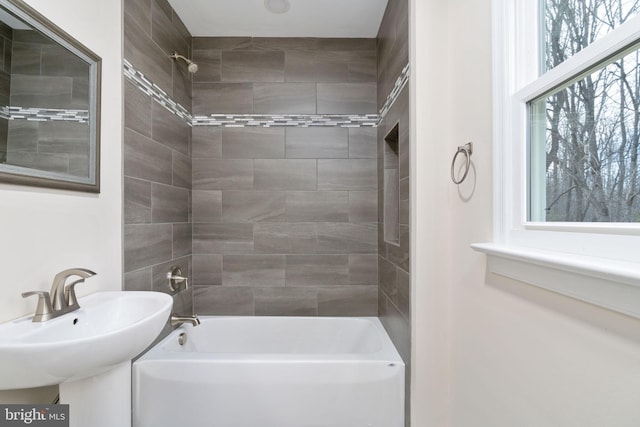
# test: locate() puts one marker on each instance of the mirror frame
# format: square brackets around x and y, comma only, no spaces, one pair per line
[33,177]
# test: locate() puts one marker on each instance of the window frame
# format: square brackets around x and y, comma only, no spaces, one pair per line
[594,262]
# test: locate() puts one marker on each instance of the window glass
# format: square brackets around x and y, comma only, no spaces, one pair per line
[571,25]
[584,147]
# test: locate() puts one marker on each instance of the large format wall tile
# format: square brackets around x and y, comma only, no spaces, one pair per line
[363,206]
[214,174]
[347,301]
[253,143]
[140,13]
[363,143]
[352,174]
[206,206]
[285,174]
[345,238]
[221,238]
[253,206]
[230,98]
[285,302]
[146,159]
[164,33]
[252,66]
[138,280]
[285,238]
[157,153]
[223,301]
[182,239]
[181,170]
[363,269]
[207,269]
[284,219]
[253,270]
[137,201]
[146,55]
[315,66]
[206,141]
[146,245]
[137,110]
[209,65]
[347,98]
[169,204]
[317,270]
[284,98]
[317,206]
[317,143]
[362,68]
[168,129]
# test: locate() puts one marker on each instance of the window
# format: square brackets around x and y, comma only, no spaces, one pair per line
[585,134]
[567,148]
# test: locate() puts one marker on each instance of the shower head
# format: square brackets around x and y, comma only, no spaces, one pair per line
[192,67]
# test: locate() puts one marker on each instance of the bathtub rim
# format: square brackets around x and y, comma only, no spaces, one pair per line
[386,354]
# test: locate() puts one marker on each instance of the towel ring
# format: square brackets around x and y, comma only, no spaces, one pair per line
[467,150]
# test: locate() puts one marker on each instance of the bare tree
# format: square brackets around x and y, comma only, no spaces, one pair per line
[593,125]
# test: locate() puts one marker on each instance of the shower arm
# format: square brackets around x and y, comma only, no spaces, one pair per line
[192,67]
[176,55]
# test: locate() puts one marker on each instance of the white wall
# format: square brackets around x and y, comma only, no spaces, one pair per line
[519,355]
[45,231]
[430,314]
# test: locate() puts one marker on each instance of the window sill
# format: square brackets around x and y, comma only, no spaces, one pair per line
[607,283]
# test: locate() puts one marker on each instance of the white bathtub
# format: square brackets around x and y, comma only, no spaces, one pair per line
[271,372]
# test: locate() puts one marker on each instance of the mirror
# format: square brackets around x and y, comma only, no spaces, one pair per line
[49,104]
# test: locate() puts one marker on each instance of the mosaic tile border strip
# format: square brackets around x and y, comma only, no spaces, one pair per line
[44,114]
[400,83]
[286,120]
[153,90]
[264,120]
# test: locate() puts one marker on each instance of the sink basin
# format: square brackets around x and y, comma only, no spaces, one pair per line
[108,329]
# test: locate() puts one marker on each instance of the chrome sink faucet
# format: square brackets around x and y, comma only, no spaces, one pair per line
[62,297]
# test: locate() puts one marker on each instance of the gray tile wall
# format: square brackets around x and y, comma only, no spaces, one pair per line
[45,75]
[157,153]
[6,40]
[393,261]
[285,220]
[286,76]
[36,73]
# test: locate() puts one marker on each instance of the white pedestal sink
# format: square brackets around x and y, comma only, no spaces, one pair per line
[88,352]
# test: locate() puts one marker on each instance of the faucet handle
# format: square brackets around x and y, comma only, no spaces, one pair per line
[176,278]
[44,311]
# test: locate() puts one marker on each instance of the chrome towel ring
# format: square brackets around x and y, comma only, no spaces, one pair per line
[467,150]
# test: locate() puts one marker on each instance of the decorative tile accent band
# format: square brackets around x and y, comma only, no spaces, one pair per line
[400,83]
[44,114]
[264,120]
[286,120]
[153,90]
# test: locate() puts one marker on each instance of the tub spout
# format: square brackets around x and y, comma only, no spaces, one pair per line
[178,320]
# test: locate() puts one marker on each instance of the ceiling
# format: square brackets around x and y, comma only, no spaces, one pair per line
[305,18]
